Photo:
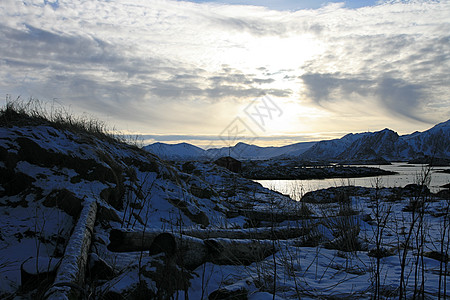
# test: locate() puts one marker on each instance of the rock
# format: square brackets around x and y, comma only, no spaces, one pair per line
[444,194]
[64,199]
[99,269]
[230,163]
[38,272]
[232,292]
[108,214]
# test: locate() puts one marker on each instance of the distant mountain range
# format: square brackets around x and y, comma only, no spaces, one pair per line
[379,146]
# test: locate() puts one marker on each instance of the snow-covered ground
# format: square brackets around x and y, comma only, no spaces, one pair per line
[48,175]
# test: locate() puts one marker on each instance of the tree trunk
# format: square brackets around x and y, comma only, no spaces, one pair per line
[263,233]
[69,281]
[190,251]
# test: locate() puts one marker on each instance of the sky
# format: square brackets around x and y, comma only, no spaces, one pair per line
[213,73]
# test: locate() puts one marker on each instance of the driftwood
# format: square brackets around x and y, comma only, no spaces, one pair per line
[69,279]
[190,251]
[122,240]
[263,233]
[271,216]
[238,252]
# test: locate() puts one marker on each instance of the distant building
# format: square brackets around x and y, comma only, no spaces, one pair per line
[230,163]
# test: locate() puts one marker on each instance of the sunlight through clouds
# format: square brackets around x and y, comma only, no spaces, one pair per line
[177,67]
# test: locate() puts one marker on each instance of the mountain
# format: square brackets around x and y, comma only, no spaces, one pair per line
[376,147]
[384,145]
[331,148]
[434,142]
[246,151]
[185,151]
[83,213]
[182,151]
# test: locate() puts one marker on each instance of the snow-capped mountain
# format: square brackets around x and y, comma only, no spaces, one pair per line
[384,145]
[182,151]
[357,147]
[433,142]
[185,151]
[246,151]
[331,148]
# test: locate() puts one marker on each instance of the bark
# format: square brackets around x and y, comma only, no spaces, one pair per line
[271,216]
[238,252]
[123,240]
[69,281]
[263,233]
[190,251]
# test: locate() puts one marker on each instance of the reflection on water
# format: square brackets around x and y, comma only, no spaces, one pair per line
[406,174]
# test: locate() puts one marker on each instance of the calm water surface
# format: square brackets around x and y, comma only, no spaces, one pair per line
[406,174]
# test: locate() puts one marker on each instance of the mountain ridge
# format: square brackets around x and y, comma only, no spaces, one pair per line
[382,145]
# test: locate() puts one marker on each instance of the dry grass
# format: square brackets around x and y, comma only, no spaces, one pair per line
[21,112]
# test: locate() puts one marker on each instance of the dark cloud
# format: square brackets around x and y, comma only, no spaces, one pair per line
[226,84]
[401,97]
[321,86]
[396,95]
[96,75]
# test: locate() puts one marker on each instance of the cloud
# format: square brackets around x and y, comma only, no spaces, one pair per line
[394,95]
[144,62]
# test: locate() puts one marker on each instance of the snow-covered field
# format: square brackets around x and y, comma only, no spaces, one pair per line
[339,243]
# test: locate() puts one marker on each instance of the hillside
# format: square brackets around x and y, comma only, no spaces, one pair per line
[83,214]
[182,151]
[51,170]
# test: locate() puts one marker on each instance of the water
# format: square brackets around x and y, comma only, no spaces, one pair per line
[406,174]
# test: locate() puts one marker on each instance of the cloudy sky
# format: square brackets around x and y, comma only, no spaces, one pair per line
[277,71]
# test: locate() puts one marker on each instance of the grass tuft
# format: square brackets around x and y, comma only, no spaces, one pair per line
[34,112]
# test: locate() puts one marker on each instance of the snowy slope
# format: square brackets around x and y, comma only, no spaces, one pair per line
[181,151]
[184,151]
[385,144]
[380,145]
[324,150]
[372,146]
[245,151]
[433,142]
[49,173]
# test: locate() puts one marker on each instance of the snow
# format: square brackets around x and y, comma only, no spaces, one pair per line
[184,151]
[29,229]
[385,143]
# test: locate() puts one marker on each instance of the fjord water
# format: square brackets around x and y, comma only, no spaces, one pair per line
[406,174]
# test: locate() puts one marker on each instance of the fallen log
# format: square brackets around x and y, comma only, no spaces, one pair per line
[123,240]
[69,280]
[262,233]
[38,272]
[190,251]
[238,252]
[272,216]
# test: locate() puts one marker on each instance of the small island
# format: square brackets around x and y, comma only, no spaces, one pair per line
[290,169]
